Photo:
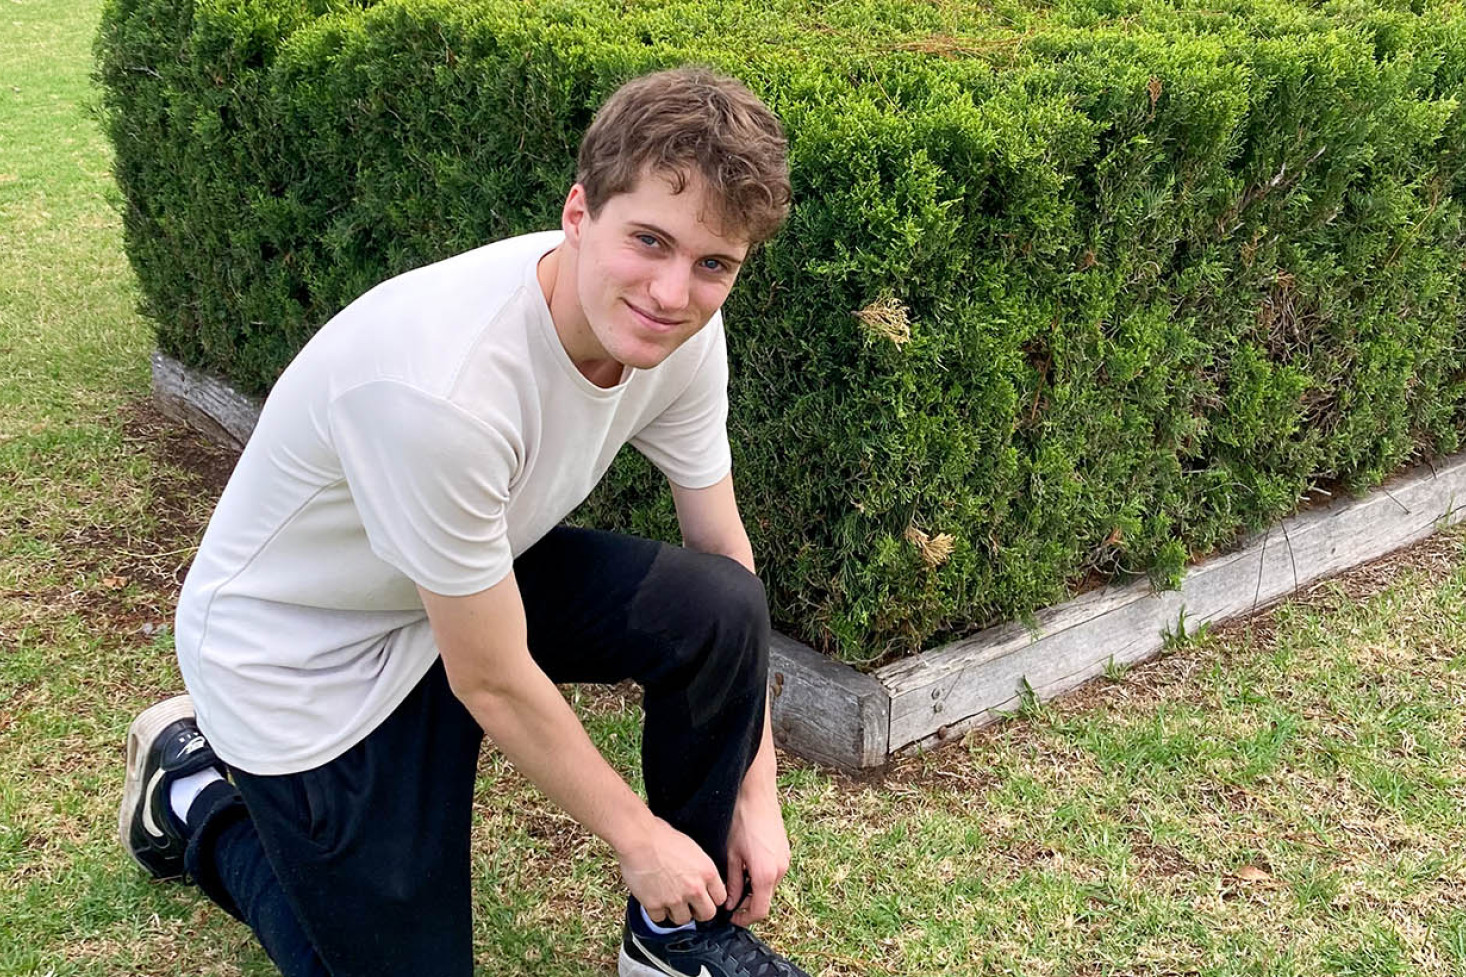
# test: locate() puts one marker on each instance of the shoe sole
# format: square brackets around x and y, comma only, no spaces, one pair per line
[140,735]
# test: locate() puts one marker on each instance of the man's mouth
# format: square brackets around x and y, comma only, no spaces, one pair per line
[655,322]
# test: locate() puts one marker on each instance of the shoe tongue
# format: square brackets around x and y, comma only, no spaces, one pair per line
[723,917]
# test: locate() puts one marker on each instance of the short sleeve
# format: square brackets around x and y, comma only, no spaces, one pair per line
[430,482]
[688,441]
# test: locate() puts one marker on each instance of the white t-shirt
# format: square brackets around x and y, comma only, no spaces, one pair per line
[428,434]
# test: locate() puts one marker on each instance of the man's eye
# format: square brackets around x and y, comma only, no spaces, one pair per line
[711,264]
[648,240]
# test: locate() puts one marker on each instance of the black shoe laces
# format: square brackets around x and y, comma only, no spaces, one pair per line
[752,955]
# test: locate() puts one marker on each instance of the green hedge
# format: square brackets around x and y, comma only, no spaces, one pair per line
[1166,267]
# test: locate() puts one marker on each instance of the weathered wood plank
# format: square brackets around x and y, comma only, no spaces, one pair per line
[203,402]
[1123,624]
[825,710]
[945,691]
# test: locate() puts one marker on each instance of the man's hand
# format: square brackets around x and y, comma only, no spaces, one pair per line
[759,847]
[671,876]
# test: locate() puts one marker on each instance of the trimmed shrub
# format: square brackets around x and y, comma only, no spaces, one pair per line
[1071,291]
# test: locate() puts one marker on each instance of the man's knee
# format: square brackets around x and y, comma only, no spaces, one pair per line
[735,663]
[732,597]
[722,614]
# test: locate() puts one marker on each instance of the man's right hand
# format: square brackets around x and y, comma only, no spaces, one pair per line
[671,876]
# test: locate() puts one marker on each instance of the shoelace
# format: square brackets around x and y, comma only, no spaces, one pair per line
[753,957]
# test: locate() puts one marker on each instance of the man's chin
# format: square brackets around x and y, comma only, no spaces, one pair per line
[644,356]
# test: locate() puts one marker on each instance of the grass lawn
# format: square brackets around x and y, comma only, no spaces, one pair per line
[1284,798]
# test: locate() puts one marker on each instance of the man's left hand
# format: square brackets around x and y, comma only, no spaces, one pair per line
[757,847]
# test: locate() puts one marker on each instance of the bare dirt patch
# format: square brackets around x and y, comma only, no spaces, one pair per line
[205,465]
[122,574]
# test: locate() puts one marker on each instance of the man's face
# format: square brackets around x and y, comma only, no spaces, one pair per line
[650,272]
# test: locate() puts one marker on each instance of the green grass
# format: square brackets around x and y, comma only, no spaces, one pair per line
[1285,798]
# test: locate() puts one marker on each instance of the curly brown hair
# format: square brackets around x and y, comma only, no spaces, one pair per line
[687,123]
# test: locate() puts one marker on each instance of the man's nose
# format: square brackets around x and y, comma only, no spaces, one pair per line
[671,286]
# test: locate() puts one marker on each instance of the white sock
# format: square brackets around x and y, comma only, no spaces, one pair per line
[664,930]
[186,789]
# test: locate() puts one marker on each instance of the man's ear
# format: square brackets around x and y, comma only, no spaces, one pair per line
[574,215]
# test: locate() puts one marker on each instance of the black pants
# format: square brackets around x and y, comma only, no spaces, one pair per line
[361,866]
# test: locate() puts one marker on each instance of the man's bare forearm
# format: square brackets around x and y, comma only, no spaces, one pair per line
[484,643]
[483,639]
[531,723]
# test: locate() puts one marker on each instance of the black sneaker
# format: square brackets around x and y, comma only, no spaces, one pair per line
[163,744]
[714,949]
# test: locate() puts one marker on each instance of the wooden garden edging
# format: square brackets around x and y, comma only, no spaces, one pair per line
[205,404]
[829,712]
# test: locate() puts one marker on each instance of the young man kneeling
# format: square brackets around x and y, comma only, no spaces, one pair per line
[385,580]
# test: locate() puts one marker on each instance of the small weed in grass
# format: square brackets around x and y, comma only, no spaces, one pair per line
[1115,671]
[1178,638]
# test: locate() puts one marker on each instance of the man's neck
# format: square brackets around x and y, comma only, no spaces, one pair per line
[556,276]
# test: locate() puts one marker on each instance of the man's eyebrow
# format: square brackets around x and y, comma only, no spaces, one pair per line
[725,258]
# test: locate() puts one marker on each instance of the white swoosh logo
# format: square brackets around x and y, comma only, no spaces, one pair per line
[148,821]
[192,747]
[663,967]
